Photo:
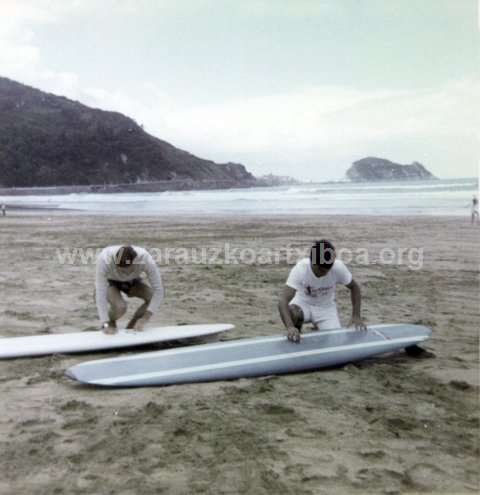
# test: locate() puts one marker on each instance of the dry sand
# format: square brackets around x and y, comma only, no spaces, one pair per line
[389,425]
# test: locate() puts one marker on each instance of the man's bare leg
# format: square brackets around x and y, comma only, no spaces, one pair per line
[142,291]
[118,306]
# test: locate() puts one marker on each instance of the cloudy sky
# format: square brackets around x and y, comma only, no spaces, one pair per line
[298,87]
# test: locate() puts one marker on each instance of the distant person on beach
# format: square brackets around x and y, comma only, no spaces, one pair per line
[475,213]
[4,210]
[309,295]
[119,270]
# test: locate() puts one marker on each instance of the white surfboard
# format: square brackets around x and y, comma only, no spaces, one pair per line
[245,358]
[38,345]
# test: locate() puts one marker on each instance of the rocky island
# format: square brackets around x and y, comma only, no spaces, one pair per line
[372,169]
[59,145]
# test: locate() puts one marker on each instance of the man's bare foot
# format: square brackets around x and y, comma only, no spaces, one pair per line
[131,324]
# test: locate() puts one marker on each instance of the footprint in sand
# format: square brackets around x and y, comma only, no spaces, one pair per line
[459,385]
[275,409]
[372,453]
[75,405]
[396,424]
[425,476]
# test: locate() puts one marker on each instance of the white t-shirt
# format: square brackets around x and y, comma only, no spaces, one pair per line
[318,291]
[108,270]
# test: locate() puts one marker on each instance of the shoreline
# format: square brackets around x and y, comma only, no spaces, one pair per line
[38,209]
[33,207]
[394,199]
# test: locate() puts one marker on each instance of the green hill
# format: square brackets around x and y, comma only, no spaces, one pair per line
[49,140]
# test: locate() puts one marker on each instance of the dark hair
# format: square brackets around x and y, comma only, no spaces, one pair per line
[322,253]
[125,256]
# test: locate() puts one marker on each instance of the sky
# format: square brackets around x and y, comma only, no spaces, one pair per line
[291,87]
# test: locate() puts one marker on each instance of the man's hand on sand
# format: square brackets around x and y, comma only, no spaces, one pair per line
[358,323]
[293,334]
[109,328]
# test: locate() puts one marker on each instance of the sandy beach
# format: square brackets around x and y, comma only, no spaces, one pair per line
[391,425]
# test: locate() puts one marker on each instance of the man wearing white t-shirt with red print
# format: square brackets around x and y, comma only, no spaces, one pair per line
[309,294]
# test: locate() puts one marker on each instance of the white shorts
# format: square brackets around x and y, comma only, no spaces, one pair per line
[322,318]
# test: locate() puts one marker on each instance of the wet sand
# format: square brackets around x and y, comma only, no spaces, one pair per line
[389,425]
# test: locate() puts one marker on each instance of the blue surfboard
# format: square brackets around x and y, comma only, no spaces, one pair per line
[248,357]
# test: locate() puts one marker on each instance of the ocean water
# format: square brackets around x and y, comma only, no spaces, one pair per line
[440,197]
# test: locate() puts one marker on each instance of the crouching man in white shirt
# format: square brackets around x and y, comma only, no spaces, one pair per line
[119,270]
[309,294]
